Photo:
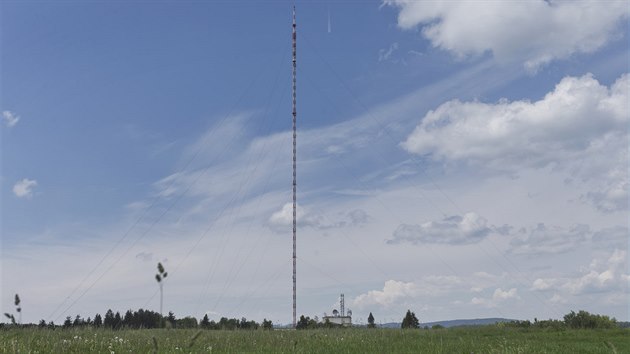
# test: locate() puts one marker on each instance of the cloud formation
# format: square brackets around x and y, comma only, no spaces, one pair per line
[10,118]
[282,219]
[394,291]
[466,229]
[498,296]
[579,127]
[24,188]
[534,33]
[605,274]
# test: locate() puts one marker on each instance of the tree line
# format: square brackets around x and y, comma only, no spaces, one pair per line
[146,319]
[580,320]
[150,319]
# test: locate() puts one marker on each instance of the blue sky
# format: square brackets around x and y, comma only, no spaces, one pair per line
[462,161]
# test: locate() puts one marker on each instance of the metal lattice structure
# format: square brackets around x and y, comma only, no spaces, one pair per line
[294,166]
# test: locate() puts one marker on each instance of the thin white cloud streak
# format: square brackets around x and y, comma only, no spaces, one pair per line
[24,188]
[385,54]
[249,163]
[533,33]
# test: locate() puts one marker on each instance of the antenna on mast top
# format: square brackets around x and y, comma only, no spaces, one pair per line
[294,165]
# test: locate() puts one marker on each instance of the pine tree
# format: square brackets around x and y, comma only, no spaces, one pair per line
[128,319]
[410,320]
[371,321]
[109,319]
[171,318]
[98,320]
[205,322]
[117,321]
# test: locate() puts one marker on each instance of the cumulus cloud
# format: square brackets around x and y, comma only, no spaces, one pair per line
[395,292]
[466,229]
[543,284]
[24,188]
[602,276]
[10,118]
[392,292]
[530,32]
[580,127]
[606,274]
[498,296]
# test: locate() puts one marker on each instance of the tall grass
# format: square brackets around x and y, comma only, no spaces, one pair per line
[489,339]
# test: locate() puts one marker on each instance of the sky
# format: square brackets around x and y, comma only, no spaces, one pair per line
[459,159]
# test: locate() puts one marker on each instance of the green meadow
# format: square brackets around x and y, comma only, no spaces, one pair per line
[483,339]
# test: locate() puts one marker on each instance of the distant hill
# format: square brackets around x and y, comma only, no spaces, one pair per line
[454,323]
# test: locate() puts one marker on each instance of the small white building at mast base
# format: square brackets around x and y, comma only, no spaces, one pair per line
[340,317]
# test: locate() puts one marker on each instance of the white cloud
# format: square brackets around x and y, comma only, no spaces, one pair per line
[282,219]
[500,294]
[24,188]
[606,274]
[580,128]
[395,293]
[602,277]
[470,228]
[10,118]
[543,284]
[498,297]
[531,32]
[392,292]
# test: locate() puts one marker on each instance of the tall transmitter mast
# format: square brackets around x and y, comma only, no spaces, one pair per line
[294,164]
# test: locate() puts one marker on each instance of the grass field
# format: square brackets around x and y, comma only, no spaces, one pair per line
[488,339]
